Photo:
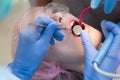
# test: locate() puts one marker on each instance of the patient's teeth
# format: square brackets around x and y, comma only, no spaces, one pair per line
[71,23]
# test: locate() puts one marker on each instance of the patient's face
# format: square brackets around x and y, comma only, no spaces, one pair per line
[70,50]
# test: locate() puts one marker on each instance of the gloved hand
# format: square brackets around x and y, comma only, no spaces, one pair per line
[111,60]
[108,5]
[32,47]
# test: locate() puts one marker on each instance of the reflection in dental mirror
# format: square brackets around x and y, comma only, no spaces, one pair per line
[76,30]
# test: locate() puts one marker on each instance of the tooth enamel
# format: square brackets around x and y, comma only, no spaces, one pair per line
[71,23]
[77,29]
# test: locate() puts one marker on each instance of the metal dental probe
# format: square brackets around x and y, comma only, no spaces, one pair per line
[44,26]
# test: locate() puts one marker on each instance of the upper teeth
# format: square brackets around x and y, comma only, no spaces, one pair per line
[77,29]
[71,23]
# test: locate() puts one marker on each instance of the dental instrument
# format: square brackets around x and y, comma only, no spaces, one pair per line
[103,50]
[43,26]
[78,26]
[101,55]
[53,8]
[75,30]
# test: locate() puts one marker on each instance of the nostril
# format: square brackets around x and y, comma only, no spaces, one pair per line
[60,20]
[57,17]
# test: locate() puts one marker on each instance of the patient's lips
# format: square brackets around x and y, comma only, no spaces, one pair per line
[63,21]
[68,21]
[58,17]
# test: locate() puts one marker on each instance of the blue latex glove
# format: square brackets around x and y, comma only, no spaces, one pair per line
[108,5]
[32,47]
[112,59]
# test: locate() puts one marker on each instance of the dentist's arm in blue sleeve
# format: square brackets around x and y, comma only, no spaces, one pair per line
[108,5]
[111,60]
[31,50]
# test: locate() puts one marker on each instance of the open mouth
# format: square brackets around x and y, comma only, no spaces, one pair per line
[76,28]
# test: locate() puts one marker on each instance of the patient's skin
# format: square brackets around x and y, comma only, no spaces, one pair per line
[69,53]
[95,22]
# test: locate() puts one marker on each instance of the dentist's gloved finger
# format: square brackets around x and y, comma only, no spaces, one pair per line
[59,35]
[88,45]
[110,58]
[115,47]
[45,20]
[48,32]
[112,68]
[95,3]
[27,33]
[37,33]
[103,26]
[109,5]
[42,20]
[52,42]
[109,26]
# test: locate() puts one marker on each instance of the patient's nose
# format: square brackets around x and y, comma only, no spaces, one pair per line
[58,17]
